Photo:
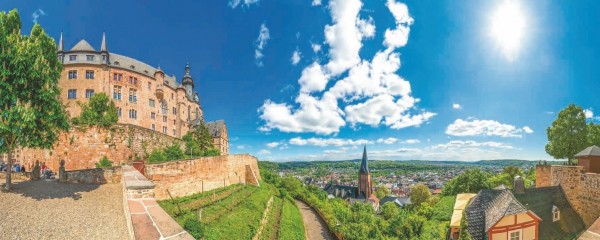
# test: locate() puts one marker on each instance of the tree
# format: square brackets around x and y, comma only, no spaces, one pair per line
[389,210]
[470,181]
[419,193]
[31,113]
[382,191]
[199,142]
[99,111]
[593,134]
[568,134]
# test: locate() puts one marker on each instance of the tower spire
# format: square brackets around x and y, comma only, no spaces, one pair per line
[60,43]
[103,46]
[364,166]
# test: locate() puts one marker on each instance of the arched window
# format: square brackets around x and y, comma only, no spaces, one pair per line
[189,112]
[555,214]
[164,107]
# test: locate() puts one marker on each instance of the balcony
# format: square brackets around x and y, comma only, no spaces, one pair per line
[159,92]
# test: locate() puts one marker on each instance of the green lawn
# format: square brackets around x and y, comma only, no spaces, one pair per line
[291,225]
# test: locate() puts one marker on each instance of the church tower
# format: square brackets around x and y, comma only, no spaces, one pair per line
[188,82]
[365,186]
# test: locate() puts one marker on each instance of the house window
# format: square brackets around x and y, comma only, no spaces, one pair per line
[165,130]
[89,57]
[153,115]
[89,74]
[72,94]
[151,102]
[117,93]
[132,96]
[515,235]
[132,114]
[164,118]
[119,111]
[153,127]
[72,74]
[555,214]
[72,57]
[89,93]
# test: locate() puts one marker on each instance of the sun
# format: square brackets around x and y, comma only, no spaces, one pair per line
[508,28]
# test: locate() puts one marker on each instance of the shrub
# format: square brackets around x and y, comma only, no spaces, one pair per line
[104,162]
[173,152]
[157,156]
[212,152]
[99,111]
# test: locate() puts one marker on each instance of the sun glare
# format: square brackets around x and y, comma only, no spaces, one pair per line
[508,28]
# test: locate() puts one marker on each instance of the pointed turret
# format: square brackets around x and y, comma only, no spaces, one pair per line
[187,82]
[364,166]
[60,43]
[103,45]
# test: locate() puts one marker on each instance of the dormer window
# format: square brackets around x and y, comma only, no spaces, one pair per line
[117,63]
[72,57]
[132,67]
[555,214]
[90,58]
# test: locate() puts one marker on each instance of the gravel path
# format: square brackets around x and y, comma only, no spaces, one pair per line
[51,210]
[315,227]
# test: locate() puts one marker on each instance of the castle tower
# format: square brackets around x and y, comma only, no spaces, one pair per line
[61,47]
[188,82]
[104,50]
[365,186]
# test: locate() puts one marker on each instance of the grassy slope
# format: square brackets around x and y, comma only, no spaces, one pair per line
[291,225]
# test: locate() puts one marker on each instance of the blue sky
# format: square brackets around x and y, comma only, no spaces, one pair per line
[312,80]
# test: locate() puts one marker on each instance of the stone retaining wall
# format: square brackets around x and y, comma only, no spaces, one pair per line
[95,175]
[82,148]
[188,177]
[582,189]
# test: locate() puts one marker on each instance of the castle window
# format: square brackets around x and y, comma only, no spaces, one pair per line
[555,214]
[104,58]
[133,80]
[89,74]
[117,77]
[90,58]
[153,127]
[72,94]
[164,118]
[165,130]
[153,115]
[117,93]
[174,132]
[72,57]
[117,63]
[164,107]
[171,96]
[132,96]
[119,111]
[72,74]
[132,114]
[132,67]
[174,111]
[149,86]
[89,93]
[189,113]
[151,102]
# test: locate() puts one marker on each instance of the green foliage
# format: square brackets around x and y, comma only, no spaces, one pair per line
[170,153]
[194,228]
[464,233]
[508,175]
[593,134]
[99,111]
[382,192]
[568,134]
[199,142]
[32,113]
[470,181]
[104,162]
[389,210]
[157,156]
[419,193]
[291,225]
[291,185]
[211,152]
[442,211]
[174,152]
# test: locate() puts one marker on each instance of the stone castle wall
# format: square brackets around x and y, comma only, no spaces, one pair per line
[82,148]
[95,175]
[188,177]
[582,189]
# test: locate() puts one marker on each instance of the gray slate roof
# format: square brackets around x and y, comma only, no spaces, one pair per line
[214,128]
[590,151]
[399,201]
[487,208]
[341,191]
[83,45]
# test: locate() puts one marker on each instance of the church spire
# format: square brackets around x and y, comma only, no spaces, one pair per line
[60,43]
[103,46]
[364,166]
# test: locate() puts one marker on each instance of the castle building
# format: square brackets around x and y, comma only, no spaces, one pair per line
[218,131]
[145,96]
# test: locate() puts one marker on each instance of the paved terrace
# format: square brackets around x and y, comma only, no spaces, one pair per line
[51,210]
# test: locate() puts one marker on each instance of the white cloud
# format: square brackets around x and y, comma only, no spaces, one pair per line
[235,3]
[389,140]
[323,142]
[398,37]
[588,113]
[261,43]
[273,144]
[316,2]
[456,106]
[241,147]
[315,47]
[484,128]
[410,141]
[37,14]
[264,152]
[466,144]
[372,93]
[296,56]
[527,129]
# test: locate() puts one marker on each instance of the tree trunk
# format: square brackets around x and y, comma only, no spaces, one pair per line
[9,170]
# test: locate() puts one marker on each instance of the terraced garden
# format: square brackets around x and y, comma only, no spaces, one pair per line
[236,212]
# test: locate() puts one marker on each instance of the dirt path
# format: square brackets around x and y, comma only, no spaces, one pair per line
[51,210]
[316,228]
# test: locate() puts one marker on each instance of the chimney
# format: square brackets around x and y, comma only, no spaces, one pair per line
[519,185]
